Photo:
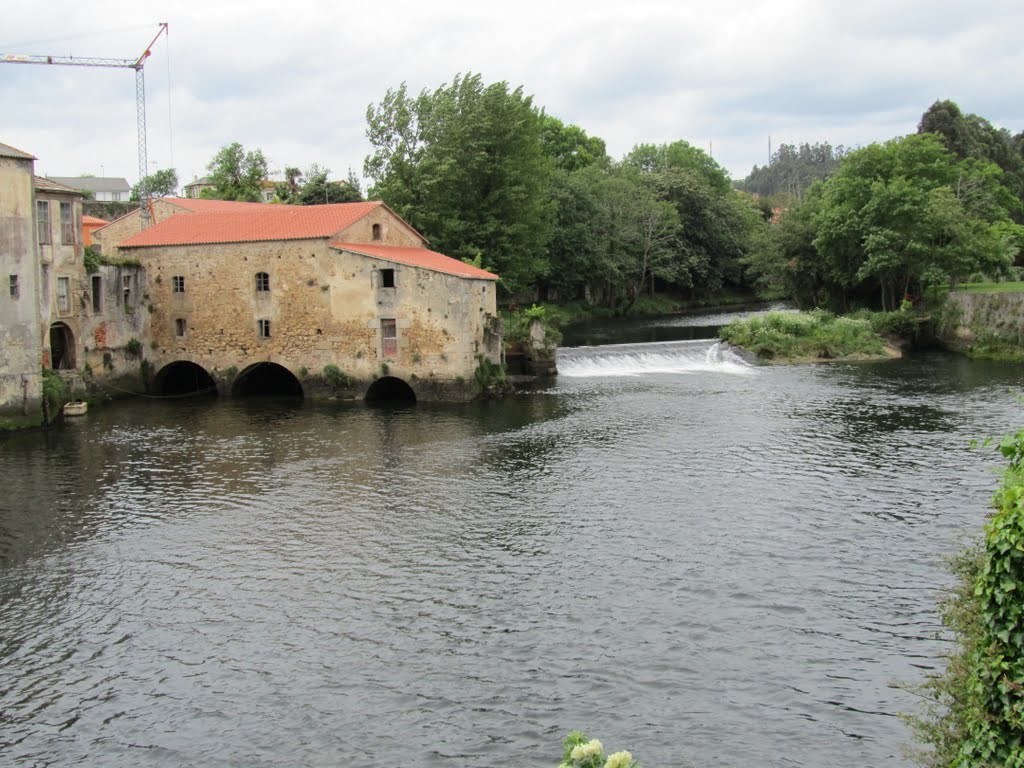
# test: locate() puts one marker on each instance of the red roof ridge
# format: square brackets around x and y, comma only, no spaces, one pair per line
[416,257]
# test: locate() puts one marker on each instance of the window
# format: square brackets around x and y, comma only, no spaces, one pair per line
[126,289]
[115,196]
[263,327]
[67,225]
[178,284]
[389,338]
[63,294]
[15,290]
[262,281]
[387,278]
[97,294]
[43,220]
[179,327]
[376,231]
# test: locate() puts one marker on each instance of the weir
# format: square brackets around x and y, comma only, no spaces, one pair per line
[678,357]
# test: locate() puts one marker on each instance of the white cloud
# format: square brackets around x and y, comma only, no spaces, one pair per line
[295,79]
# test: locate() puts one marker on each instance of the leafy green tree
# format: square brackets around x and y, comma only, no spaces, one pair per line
[465,165]
[569,146]
[319,190]
[162,183]
[792,169]
[236,174]
[908,213]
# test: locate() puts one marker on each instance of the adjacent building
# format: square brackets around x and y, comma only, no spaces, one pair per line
[103,189]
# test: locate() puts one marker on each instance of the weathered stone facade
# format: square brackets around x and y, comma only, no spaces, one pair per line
[21,326]
[307,304]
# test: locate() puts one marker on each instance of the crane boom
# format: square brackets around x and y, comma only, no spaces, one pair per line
[138,65]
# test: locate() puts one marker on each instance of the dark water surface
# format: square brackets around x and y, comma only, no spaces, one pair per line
[703,562]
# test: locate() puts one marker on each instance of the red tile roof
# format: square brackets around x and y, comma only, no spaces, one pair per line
[202,205]
[417,257]
[86,219]
[254,223]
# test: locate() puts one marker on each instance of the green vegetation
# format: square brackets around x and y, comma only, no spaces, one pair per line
[92,260]
[161,183]
[974,714]
[335,379]
[1008,287]
[133,348]
[236,174]
[489,377]
[582,752]
[55,393]
[796,336]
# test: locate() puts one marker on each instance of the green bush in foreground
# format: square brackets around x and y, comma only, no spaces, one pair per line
[975,711]
[581,752]
[804,335]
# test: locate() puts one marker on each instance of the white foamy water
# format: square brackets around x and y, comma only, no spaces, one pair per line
[681,357]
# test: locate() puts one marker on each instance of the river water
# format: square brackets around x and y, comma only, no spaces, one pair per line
[705,562]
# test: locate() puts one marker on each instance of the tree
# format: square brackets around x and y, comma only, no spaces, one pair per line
[569,146]
[162,183]
[908,213]
[318,190]
[465,165]
[236,174]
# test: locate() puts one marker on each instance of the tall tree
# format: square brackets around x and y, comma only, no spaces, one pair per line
[465,165]
[236,174]
[161,183]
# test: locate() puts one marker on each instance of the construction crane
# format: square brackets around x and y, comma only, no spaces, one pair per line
[138,65]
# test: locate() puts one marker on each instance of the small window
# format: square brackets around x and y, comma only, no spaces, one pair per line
[67,225]
[126,289]
[97,294]
[178,284]
[63,294]
[115,196]
[387,278]
[43,221]
[263,327]
[15,289]
[376,231]
[262,282]
[389,338]
[179,327]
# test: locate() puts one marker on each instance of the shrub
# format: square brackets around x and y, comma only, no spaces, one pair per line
[92,260]
[797,335]
[335,378]
[133,347]
[974,714]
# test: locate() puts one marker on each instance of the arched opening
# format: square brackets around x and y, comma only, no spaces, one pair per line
[266,379]
[183,379]
[62,347]
[390,389]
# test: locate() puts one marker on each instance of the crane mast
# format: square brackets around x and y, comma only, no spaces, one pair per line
[138,64]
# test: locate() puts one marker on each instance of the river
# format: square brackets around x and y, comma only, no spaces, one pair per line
[702,561]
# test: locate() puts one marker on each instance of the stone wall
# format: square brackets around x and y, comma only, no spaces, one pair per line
[21,329]
[324,307]
[970,320]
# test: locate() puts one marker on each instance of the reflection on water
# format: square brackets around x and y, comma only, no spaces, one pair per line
[698,560]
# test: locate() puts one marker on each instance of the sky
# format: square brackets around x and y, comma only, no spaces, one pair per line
[294,79]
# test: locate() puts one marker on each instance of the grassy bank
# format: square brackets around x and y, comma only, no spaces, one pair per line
[810,336]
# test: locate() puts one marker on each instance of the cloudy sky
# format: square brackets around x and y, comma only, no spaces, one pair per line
[295,78]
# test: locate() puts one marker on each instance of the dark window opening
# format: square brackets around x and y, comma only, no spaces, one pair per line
[262,281]
[387,278]
[15,289]
[178,284]
[97,294]
[263,328]
[62,347]
[126,288]
[179,327]
[376,232]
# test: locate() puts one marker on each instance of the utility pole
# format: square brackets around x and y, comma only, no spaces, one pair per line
[138,65]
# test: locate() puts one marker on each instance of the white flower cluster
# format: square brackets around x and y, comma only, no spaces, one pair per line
[619,760]
[592,748]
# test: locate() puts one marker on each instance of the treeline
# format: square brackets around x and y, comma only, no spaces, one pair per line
[792,169]
[487,176]
[936,207]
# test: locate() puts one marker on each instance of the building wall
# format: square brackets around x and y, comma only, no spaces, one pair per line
[393,230]
[119,230]
[21,329]
[325,307]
